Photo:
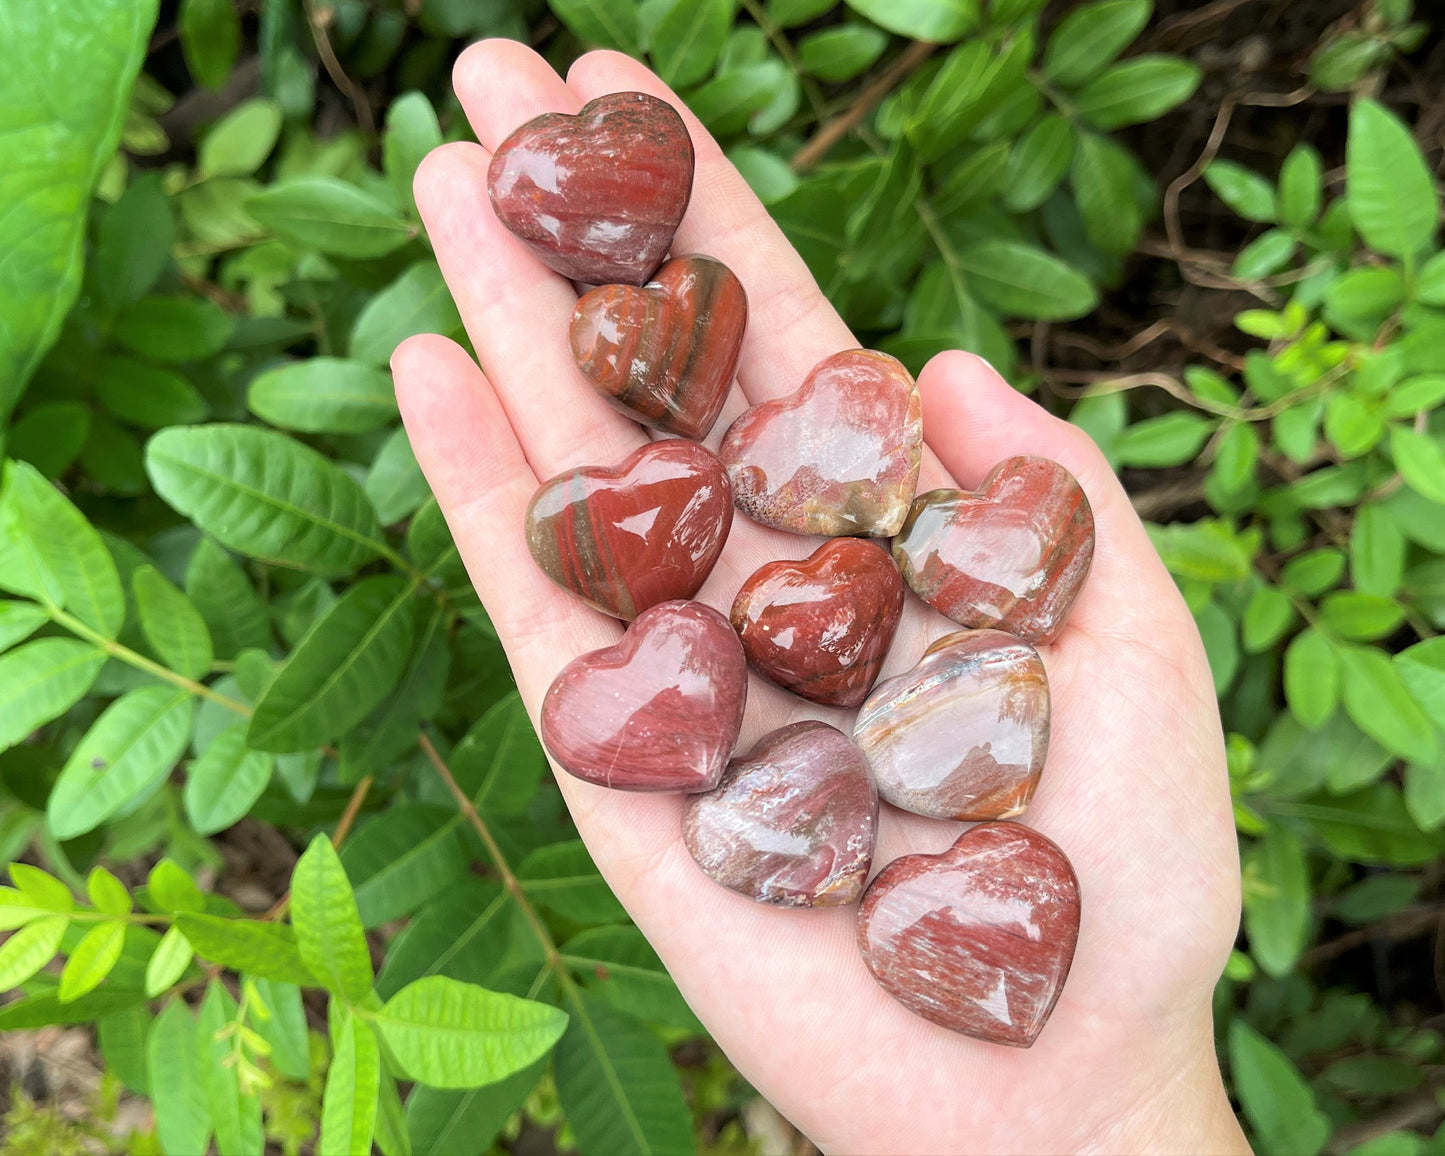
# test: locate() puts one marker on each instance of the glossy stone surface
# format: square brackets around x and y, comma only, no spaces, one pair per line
[839,457]
[628,538]
[964,733]
[1013,554]
[660,711]
[978,939]
[599,194]
[821,627]
[665,354]
[792,822]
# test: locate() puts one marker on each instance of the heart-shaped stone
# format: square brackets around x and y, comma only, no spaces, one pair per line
[660,711]
[978,939]
[1013,554]
[839,457]
[665,354]
[964,733]
[821,627]
[628,538]
[597,195]
[792,822]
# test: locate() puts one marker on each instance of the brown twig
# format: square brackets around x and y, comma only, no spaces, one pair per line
[1405,925]
[1419,1111]
[825,138]
[319,19]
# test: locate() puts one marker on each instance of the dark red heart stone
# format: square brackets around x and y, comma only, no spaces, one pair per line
[628,538]
[978,939]
[597,195]
[964,733]
[840,457]
[792,822]
[660,711]
[1012,555]
[821,627]
[665,354]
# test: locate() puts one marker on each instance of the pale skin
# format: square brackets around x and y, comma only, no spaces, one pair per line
[1135,789]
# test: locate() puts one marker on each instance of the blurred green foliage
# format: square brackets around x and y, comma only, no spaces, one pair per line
[224,559]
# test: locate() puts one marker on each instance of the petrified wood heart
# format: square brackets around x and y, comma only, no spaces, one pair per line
[665,354]
[978,939]
[1012,555]
[598,195]
[628,538]
[792,822]
[821,627]
[964,733]
[839,457]
[660,711]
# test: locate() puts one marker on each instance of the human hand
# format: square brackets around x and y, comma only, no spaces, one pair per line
[1134,790]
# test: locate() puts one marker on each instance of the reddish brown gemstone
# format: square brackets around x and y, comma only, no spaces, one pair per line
[660,711]
[665,354]
[628,538]
[978,939]
[840,457]
[792,822]
[1011,555]
[963,734]
[822,627]
[597,195]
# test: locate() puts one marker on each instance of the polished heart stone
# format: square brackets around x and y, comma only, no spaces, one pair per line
[660,711]
[792,822]
[665,354]
[628,538]
[840,457]
[964,733]
[597,195]
[1012,555]
[978,939]
[821,627]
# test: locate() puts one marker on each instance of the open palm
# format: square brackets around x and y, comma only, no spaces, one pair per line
[1134,789]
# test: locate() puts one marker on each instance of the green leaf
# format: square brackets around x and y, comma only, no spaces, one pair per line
[65,91]
[345,665]
[148,395]
[1418,393]
[1422,667]
[1277,1102]
[324,395]
[1430,281]
[1020,280]
[183,1117]
[107,893]
[353,1084]
[448,1123]
[1381,705]
[937,21]
[49,551]
[563,878]
[840,53]
[1267,615]
[686,37]
[51,436]
[19,620]
[395,483]
[617,1087]
[1103,178]
[235,617]
[331,216]
[1391,191]
[91,959]
[258,948]
[266,495]
[791,13]
[42,680]
[399,859]
[168,962]
[1425,795]
[284,1028]
[1266,255]
[1311,678]
[1377,552]
[411,132]
[1312,573]
[30,949]
[42,889]
[1361,617]
[172,626]
[1421,462]
[127,753]
[328,928]
[1300,179]
[1371,826]
[449,1034]
[210,32]
[972,82]
[174,329]
[235,1115]
[619,965]
[133,243]
[1169,440]
[1141,88]
[602,23]
[416,302]
[1244,191]
[170,888]
[222,784]
[500,762]
[122,1037]
[1090,37]
[239,143]
[1277,900]
[1038,163]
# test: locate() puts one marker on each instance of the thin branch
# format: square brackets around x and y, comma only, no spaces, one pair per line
[320,19]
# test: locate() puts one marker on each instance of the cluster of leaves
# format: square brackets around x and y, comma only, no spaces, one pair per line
[233,598]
